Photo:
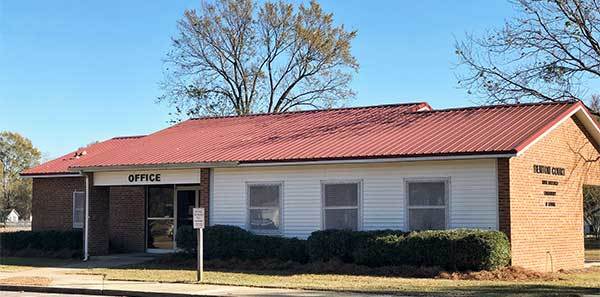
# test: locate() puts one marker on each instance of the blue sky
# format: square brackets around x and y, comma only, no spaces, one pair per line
[73,72]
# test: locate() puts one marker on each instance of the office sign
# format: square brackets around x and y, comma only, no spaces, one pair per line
[147,177]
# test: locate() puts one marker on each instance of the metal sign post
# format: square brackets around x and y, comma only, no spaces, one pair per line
[199,226]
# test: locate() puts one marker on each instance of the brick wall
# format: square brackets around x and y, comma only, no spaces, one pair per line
[52,202]
[542,237]
[205,193]
[127,219]
[99,219]
[503,167]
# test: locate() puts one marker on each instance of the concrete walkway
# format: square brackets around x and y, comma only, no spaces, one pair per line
[67,278]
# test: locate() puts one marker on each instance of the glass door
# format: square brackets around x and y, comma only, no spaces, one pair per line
[160,229]
[187,199]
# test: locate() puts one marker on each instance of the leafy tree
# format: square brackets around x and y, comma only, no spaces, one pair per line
[549,52]
[239,57]
[16,154]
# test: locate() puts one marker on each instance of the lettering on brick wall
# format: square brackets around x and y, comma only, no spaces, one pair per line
[145,177]
[543,169]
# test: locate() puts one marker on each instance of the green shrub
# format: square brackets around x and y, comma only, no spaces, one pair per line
[342,244]
[44,241]
[330,244]
[460,249]
[482,250]
[228,242]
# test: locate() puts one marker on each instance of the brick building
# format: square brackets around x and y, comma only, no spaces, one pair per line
[514,168]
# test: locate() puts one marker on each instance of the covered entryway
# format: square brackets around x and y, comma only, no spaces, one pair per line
[140,211]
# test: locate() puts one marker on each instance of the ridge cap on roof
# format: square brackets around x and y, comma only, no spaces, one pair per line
[493,106]
[419,103]
[127,137]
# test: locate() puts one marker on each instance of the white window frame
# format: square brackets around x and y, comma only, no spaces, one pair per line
[359,206]
[279,230]
[446,181]
[79,225]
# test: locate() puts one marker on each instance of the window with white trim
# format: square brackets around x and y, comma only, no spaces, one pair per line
[78,209]
[427,205]
[341,205]
[264,207]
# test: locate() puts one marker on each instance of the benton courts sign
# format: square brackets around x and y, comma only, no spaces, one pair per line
[147,177]
[543,169]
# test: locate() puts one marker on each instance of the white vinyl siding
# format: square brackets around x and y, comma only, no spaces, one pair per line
[472,187]
[78,210]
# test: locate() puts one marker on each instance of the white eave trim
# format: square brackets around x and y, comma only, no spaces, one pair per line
[382,160]
[154,167]
[51,175]
[582,114]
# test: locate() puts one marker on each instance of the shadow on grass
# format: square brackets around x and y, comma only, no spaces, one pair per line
[37,262]
[516,289]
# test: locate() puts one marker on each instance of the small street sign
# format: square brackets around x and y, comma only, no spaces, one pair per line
[198,218]
[198,214]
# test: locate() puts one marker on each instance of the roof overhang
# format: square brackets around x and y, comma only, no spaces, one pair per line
[81,170]
[380,160]
[153,166]
[580,111]
[50,175]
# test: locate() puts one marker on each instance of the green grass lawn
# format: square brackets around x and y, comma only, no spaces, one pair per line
[587,282]
[580,283]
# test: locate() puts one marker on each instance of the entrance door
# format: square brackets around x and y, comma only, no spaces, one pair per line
[160,229]
[186,201]
[169,208]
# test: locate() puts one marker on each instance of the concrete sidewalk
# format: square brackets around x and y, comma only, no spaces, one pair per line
[67,280]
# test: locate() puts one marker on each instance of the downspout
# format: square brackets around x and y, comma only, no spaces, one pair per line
[87,218]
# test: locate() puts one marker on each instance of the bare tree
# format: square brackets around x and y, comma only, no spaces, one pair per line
[238,57]
[591,208]
[549,52]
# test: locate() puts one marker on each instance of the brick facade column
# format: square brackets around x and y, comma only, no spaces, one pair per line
[503,173]
[205,193]
[127,218]
[99,217]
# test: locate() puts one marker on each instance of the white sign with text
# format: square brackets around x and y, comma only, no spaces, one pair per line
[198,218]
[147,177]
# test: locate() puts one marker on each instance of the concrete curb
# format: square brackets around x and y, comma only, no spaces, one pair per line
[80,291]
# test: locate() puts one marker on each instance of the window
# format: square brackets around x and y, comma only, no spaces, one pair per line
[340,205]
[264,207]
[78,209]
[427,205]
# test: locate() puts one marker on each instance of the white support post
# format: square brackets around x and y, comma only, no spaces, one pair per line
[87,219]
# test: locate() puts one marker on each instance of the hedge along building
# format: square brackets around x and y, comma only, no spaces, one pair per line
[514,168]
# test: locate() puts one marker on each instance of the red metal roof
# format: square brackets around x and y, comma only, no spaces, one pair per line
[350,133]
[61,165]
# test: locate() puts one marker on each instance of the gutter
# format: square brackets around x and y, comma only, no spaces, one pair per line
[287,163]
[155,166]
[50,175]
